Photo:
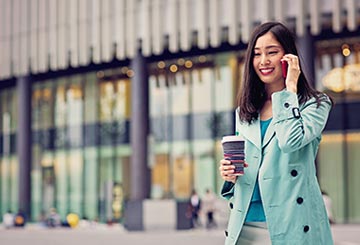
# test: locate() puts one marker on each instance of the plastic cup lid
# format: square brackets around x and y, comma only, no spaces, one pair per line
[231,138]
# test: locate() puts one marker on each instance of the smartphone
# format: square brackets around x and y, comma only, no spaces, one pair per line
[284,66]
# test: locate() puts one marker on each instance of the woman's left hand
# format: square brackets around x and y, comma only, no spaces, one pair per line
[293,72]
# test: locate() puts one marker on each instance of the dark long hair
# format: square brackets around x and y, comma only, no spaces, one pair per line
[252,95]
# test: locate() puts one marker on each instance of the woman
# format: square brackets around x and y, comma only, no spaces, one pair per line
[278,199]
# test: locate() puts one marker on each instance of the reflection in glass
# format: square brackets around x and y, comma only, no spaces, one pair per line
[189,108]
[114,111]
[42,176]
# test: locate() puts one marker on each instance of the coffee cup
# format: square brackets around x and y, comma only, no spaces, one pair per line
[233,148]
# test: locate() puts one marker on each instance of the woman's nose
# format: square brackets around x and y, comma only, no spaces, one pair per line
[264,60]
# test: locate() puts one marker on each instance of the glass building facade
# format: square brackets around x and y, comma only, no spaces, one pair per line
[191,107]
[80,145]
[9,164]
[80,134]
[338,70]
[106,103]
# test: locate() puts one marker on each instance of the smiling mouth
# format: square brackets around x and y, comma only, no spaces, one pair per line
[266,71]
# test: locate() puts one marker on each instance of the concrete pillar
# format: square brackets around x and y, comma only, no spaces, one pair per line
[23,139]
[139,129]
[306,46]
[140,173]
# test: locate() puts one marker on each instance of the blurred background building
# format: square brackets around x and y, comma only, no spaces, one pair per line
[107,104]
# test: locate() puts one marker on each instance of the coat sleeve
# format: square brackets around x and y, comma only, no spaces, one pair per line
[227,190]
[297,126]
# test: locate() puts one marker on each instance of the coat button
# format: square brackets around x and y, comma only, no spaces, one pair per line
[286,105]
[226,233]
[231,205]
[294,173]
[306,228]
[299,200]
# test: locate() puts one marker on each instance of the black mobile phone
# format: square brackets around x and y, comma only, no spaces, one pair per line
[284,66]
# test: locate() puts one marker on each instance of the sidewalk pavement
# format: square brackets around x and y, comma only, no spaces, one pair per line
[344,234]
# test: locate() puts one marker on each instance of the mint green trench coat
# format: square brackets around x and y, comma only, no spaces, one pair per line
[284,164]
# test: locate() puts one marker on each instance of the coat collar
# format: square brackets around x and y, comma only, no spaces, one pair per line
[252,133]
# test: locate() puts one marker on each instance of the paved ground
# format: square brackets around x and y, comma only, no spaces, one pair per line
[107,237]
[346,234]
[343,234]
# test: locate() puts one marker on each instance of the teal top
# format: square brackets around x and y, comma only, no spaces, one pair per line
[256,209]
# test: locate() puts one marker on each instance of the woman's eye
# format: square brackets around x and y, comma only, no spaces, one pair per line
[256,54]
[273,52]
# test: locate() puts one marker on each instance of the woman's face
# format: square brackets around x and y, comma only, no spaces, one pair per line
[268,53]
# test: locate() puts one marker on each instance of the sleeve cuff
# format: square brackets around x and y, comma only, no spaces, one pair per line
[285,106]
[227,190]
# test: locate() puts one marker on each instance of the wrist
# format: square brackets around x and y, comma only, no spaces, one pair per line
[291,88]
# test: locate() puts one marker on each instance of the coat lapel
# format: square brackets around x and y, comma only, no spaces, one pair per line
[251,132]
[270,133]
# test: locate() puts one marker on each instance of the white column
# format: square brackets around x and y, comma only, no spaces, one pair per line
[106,40]
[173,30]
[84,34]
[202,15]
[351,10]
[146,24]
[300,18]
[158,26]
[246,19]
[62,34]
[119,29]
[233,21]
[2,38]
[214,20]
[24,38]
[33,35]
[43,36]
[73,33]
[95,31]
[315,17]
[53,31]
[185,25]
[266,7]
[7,39]
[15,33]
[336,15]
[131,28]
[279,10]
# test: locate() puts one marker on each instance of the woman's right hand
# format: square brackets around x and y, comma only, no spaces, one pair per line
[227,171]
